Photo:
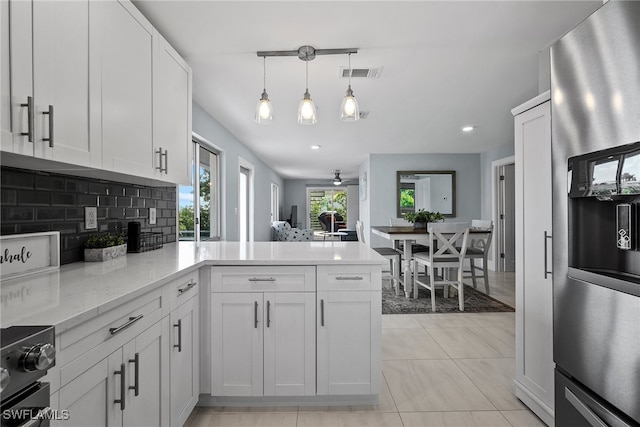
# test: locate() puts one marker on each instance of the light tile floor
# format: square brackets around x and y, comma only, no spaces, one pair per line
[452,369]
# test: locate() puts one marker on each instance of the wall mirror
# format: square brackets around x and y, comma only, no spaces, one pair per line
[433,191]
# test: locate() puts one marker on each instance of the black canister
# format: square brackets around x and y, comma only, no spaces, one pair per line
[133,236]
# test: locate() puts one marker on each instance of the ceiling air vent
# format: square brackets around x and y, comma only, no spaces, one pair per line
[364,114]
[369,73]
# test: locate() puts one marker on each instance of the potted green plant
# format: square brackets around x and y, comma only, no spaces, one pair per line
[421,218]
[103,247]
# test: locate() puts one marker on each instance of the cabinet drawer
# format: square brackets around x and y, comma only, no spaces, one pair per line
[263,279]
[116,325]
[180,290]
[349,277]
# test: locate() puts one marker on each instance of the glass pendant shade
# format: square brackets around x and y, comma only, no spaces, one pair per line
[349,110]
[264,109]
[307,110]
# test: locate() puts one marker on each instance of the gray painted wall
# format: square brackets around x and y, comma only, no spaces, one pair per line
[207,127]
[382,185]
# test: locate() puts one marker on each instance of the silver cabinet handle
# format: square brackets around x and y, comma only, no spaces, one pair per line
[262,279]
[123,390]
[583,409]
[130,322]
[349,278]
[160,156]
[179,326]
[29,106]
[268,313]
[136,373]
[255,314]
[321,312]
[50,114]
[166,161]
[546,267]
[190,285]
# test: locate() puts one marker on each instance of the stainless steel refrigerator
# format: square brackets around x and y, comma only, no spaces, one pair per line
[595,110]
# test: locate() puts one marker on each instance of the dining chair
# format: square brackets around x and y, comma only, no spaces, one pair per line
[447,252]
[389,253]
[479,250]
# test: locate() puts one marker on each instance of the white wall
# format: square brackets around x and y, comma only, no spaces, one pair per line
[380,205]
[207,127]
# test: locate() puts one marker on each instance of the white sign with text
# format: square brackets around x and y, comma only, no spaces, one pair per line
[22,254]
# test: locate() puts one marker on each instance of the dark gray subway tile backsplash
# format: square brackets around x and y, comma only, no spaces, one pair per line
[32,201]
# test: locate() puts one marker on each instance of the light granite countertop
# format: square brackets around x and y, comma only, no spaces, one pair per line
[79,291]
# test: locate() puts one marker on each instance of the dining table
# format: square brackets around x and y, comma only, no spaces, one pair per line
[409,235]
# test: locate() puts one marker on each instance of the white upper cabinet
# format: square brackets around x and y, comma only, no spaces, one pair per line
[50,82]
[93,84]
[172,146]
[126,104]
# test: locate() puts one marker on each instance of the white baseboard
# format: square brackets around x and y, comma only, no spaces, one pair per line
[541,409]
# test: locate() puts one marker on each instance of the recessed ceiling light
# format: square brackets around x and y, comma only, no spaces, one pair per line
[467,128]
[315,147]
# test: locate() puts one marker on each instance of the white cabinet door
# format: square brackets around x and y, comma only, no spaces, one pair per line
[534,309]
[91,397]
[61,82]
[6,139]
[172,144]
[346,337]
[185,362]
[236,344]
[126,102]
[21,72]
[289,344]
[147,360]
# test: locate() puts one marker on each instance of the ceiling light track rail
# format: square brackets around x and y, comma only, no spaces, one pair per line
[306,53]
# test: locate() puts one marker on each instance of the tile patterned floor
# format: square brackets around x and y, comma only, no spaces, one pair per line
[452,369]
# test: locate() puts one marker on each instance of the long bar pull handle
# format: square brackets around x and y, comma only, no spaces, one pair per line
[349,278]
[546,250]
[262,279]
[166,161]
[50,114]
[255,314]
[160,156]
[268,313]
[123,389]
[189,285]
[136,374]
[179,326]
[590,416]
[29,132]
[321,312]
[130,322]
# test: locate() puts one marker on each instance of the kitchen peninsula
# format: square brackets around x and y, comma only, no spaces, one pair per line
[219,323]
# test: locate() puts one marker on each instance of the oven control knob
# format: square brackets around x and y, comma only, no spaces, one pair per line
[39,357]
[5,378]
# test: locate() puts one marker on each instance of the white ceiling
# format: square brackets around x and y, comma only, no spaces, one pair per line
[446,64]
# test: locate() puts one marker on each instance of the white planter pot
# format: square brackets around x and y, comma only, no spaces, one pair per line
[105,254]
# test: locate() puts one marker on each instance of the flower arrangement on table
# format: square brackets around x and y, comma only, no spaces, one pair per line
[421,218]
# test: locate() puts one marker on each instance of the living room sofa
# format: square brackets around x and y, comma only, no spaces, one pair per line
[283,232]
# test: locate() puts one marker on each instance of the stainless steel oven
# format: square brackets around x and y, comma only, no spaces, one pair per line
[27,353]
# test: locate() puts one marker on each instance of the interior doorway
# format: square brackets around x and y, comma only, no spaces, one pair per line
[503,178]
[245,201]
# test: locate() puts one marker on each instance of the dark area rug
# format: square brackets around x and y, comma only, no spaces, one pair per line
[474,302]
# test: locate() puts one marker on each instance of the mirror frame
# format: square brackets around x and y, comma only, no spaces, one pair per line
[453,189]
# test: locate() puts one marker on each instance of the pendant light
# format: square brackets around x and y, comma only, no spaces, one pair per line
[349,111]
[306,109]
[264,109]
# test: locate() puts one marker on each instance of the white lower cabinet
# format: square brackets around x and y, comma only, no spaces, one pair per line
[263,336]
[349,330]
[263,344]
[185,361]
[128,387]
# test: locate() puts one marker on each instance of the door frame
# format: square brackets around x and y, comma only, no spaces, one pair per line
[495,208]
[245,164]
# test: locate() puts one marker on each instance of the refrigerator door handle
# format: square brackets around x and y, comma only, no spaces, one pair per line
[584,410]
